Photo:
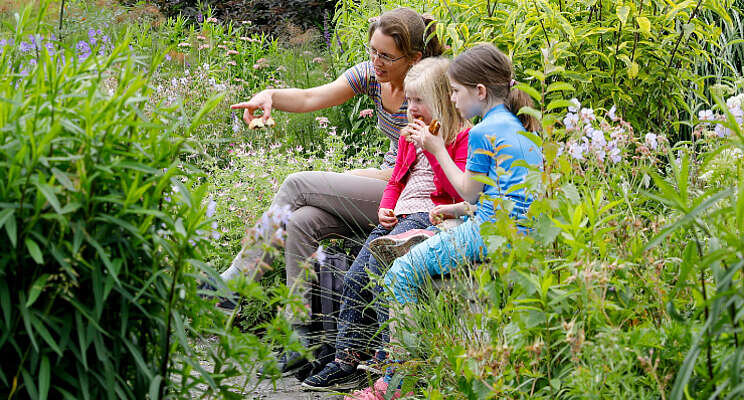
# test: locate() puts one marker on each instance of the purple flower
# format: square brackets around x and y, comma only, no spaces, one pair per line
[25,47]
[721,130]
[326,31]
[168,57]
[82,47]
[50,48]
[211,208]
[200,18]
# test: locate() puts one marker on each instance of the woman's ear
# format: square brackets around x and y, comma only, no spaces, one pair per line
[482,91]
[419,55]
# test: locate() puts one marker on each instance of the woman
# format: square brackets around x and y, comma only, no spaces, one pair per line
[328,204]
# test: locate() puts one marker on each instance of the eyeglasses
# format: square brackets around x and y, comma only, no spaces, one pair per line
[386,59]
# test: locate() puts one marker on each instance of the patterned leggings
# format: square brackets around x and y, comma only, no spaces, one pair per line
[358,294]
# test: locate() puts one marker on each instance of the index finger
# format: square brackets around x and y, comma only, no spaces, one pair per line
[243,105]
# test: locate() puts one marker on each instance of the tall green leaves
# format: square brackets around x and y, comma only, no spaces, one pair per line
[94,247]
[712,266]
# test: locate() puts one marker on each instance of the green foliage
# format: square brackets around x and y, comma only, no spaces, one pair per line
[637,55]
[104,234]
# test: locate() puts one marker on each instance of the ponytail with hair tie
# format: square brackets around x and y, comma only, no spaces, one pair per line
[432,47]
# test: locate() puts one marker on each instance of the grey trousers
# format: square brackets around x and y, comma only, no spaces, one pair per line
[323,205]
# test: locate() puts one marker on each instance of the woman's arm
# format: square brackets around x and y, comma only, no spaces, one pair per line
[296,100]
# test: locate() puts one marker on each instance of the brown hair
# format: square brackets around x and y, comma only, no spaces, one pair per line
[412,32]
[428,78]
[487,65]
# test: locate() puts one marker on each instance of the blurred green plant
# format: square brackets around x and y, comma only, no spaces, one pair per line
[104,234]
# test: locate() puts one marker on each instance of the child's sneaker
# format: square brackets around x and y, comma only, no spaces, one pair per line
[387,248]
[334,377]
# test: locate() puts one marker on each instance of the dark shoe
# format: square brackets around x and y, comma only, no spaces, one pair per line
[387,248]
[289,362]
[334,378]
[208,290]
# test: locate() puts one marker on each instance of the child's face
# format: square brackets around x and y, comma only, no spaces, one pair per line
[417,107]
[466,100]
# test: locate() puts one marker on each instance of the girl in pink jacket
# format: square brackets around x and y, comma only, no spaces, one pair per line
[415,188]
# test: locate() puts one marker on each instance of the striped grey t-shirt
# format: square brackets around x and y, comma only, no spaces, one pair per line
[362,80]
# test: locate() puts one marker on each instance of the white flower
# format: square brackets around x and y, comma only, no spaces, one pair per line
[587,115]
[651,140]
[612,114]
[320,255]
[600,154]
[571,121]
[615,155]
[576,150]
[598,139]
[705,115]
[576,105]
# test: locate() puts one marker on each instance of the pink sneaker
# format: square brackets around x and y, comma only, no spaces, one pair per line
[375,392]
[387,248]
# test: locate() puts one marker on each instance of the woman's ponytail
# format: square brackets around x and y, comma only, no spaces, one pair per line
[515,101]
[413,33]
[432,46]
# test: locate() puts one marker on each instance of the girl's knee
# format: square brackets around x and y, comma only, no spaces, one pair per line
[401,280]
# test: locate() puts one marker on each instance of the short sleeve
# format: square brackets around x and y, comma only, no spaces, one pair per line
[360,77]
[478,162]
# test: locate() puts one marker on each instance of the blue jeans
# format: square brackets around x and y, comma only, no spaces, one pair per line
[435,256]
[358,294]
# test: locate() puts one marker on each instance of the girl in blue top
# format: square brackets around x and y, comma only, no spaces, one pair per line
[482,81]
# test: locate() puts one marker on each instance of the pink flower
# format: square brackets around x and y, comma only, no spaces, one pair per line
[204,46]
[200,37]
[231,62]
[367,112]
[322,121]
[318,60]
[212,19]
[232,52]
[184,44]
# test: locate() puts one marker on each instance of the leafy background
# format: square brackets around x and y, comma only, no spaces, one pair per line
[126,178]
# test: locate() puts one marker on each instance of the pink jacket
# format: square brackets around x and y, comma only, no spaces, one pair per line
[444,192]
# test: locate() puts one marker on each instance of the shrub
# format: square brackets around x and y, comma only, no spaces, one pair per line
[638,56]
[266,15]
[103,231]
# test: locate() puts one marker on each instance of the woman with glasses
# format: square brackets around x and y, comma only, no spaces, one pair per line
[329,204]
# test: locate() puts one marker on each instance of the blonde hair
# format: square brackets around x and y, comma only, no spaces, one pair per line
[428,78]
